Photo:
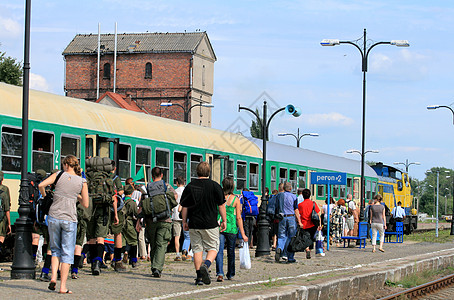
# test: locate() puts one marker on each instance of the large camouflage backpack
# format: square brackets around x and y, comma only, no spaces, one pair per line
[100,185]
[159,203]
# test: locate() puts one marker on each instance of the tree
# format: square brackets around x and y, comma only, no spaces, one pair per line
[10,70]
[256,128]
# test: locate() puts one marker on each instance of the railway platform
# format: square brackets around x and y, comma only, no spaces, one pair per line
[344,273]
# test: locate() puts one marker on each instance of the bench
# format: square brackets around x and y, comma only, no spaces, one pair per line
[362,236]
[399,233]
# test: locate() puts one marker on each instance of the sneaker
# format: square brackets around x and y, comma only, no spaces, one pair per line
[205,274]
[291,261]
[103,265]
[119,267]
[277,256]
[178,258]
[198,281]
[44,277]
[284,258]
[220,278]
[308,255]
[155,273]
[184,255]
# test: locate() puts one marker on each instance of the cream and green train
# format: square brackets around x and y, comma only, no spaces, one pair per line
[60,126]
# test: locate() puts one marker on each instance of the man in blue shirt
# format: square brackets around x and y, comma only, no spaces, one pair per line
[288,210]
[398,214]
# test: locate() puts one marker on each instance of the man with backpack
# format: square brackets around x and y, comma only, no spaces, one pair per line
[288,211]
[5,204]
[249,201]
[156,210]
[101,192]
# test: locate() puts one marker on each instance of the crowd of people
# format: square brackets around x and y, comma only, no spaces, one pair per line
[206,216]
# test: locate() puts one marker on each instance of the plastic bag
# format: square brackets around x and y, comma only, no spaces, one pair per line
[319,243]
[245,257]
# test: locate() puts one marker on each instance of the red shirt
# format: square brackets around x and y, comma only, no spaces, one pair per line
[305,210]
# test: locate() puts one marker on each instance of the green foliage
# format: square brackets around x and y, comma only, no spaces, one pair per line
[10,70]
[256,128]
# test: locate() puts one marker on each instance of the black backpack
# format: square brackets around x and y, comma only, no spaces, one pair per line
[43,203]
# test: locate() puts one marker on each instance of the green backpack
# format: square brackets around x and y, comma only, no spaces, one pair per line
[159,203]
[100,186]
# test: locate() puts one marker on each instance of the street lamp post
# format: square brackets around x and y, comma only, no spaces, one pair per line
[436,205]
[23,266]
[407,164]
[362,161]
[186,111]
[298,137]
[364,55]
[452,111]
[263,243]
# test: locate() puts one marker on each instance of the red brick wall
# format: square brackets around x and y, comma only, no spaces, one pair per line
[170,79]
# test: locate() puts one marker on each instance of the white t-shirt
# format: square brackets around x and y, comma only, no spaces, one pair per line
[351,205]
[175,213]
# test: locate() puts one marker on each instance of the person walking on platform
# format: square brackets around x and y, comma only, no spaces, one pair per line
[129,231]
[201,200]
[378,222]
[288,210]
[305,219]
[62,218]
[5,204]
[176,220]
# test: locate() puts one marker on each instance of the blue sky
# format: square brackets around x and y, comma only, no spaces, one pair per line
[274,47]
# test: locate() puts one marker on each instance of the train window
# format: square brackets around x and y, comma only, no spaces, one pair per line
[240,175]
[106,71]
[124,158]
[342,191]
[302,179]
[282,175]
[400,186]
[143,158]
[229,168]
[195,160]
[89,147]
[335,192]
[162,161]
[368,189]
[148,70]
[273,179]
[69,146]
[320,190]
[11,149]
[356,188]
[374,188]
[42,151]
[293,180]
[254,176]
[349,186]
[179,166]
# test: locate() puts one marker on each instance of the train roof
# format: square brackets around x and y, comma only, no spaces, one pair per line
[313,159]
[56,109]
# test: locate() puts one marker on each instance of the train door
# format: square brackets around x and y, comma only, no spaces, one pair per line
[217,166]
[96,145]
[311,186]
[356,188]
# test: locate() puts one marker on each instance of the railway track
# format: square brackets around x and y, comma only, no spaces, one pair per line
[427,290]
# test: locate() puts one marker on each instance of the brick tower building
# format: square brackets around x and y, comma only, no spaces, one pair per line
[151,68]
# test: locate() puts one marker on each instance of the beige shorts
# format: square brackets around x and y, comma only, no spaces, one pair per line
[204,239]
[176,228]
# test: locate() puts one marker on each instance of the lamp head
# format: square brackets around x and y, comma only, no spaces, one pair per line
[208,105]
[351,151]
[433,106]
[400,43]
[166,104]
[329,42]
[281,134]
[292,110]
[313,134]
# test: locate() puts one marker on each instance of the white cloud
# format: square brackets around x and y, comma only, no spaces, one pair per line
[330,119]
[38,82]
[9,27]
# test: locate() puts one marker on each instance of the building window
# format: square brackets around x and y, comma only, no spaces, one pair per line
[43,151]
[143,158]
[240,175]
[203,75]
[179,166]
[106,71]
[69,146]
[195,160]
[273,179]
[293,180]
[148,70]
[302,179]
[162,161]
[124,158]
[254,176]
[11,149]
[282,175]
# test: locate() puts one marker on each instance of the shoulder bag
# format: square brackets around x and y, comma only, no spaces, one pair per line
[314,216]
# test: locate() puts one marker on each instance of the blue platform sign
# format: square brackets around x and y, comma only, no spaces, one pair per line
[329,178]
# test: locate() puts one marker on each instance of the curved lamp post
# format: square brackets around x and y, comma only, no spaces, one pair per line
[298,137]
[362,163]
[365,50]
[452,111]
[186,111]
[263,242]
[407,164]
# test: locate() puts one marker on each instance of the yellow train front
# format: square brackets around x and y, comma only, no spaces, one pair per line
[394,186]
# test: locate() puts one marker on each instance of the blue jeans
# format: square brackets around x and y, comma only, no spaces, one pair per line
[287,230]
[186,241]
[62,237]
[230,239]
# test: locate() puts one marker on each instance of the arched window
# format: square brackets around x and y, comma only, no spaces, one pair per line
[106,71]
[148,70]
